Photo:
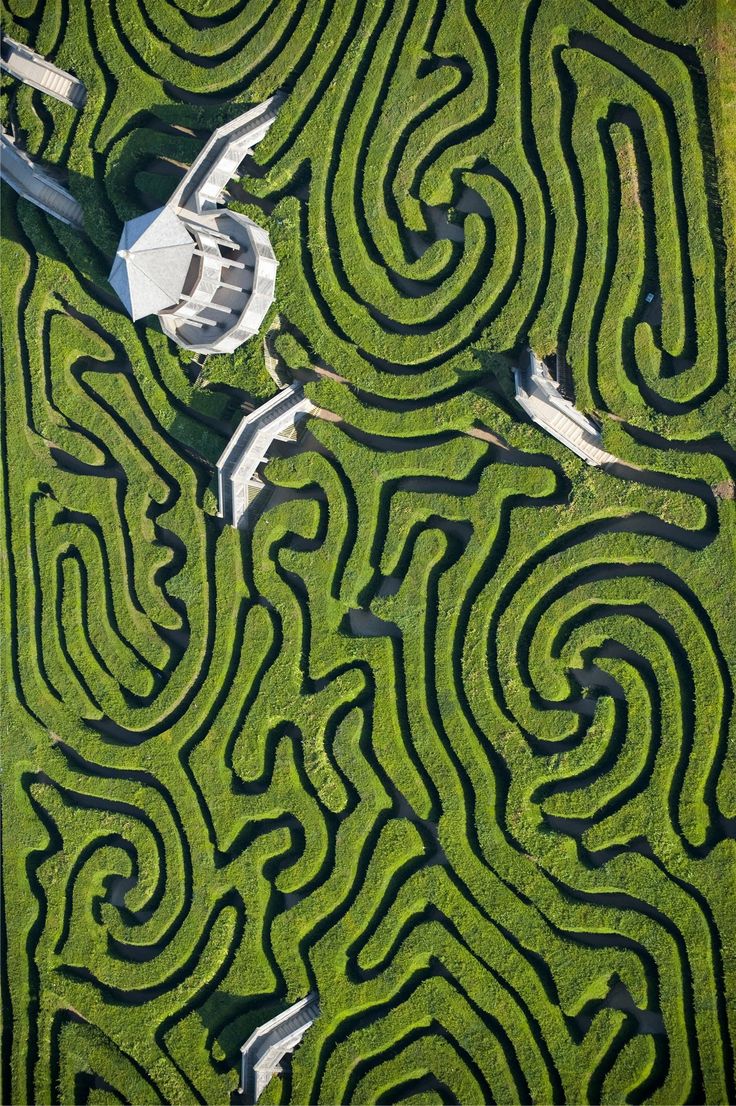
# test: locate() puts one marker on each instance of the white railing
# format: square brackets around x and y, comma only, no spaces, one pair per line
[247,449]
[537,394]
[32,183]
[262,1053]
[202,187]
[33,69]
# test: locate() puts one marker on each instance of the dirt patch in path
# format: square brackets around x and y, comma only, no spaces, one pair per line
[724,489]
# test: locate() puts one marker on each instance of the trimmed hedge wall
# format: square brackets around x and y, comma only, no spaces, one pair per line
[446,732]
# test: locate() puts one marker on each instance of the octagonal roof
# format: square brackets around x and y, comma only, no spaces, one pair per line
[151,262]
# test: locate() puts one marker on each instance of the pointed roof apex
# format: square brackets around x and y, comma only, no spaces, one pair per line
[151,262]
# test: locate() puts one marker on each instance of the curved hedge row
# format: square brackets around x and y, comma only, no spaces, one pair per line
[446,734]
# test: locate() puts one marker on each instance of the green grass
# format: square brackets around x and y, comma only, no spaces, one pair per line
[447,734]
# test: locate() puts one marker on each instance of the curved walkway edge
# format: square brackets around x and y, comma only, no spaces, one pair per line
[32,69]
[31,182]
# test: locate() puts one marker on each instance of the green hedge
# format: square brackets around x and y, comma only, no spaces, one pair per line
[445,733]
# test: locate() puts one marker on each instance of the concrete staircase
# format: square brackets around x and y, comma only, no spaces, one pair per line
[237,479]
[32,69]
[32,183]
[203,187]
[262,1053]
[538,394]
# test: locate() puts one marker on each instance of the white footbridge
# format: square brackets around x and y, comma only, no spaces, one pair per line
[262,1053]
[31,182]
[32,69]
[538,394]
[203,187]
[238,481]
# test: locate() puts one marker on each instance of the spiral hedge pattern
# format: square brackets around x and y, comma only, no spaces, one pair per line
[448,734]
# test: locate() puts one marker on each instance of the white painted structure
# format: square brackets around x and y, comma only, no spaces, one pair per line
[262,1053]
[31,182]
[32,69]
[537,394]
[207,272]
[238,482]
[204,185]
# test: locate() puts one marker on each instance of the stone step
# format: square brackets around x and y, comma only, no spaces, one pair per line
[55,82]
[34,70]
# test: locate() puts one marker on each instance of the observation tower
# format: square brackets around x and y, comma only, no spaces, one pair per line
[208,273]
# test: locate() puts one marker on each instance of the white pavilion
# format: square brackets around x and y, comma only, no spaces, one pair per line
[207,272]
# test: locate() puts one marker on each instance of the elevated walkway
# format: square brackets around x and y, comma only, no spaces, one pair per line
[237,478]
[539,395]
[222,298]
[32,69]
[235,288]
[31,182]
[262,1053]
[203,187]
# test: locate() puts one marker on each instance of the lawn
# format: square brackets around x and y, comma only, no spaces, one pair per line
[446,733]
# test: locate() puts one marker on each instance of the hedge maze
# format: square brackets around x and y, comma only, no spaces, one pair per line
[447,735]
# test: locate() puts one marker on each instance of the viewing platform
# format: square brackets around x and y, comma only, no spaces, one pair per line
[538,394]
[32,69]
[203,187]
[238,481]
[207,272]
[262,1053]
